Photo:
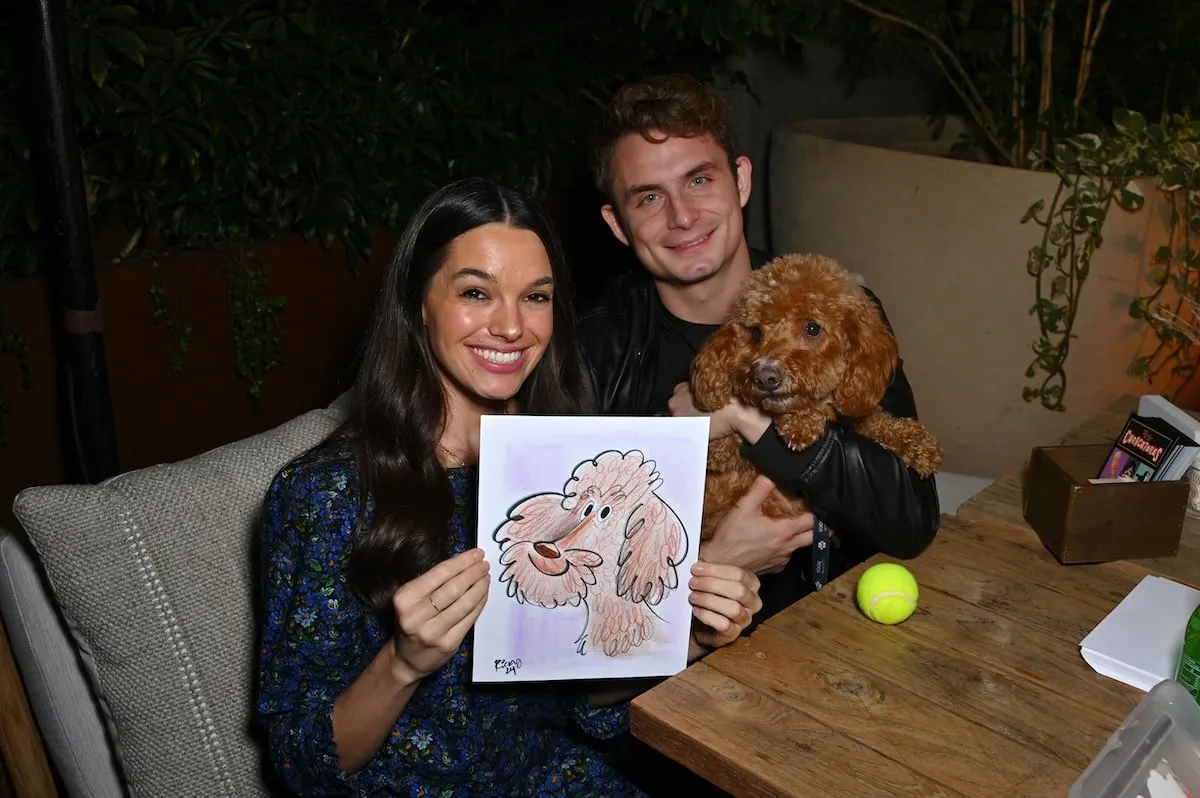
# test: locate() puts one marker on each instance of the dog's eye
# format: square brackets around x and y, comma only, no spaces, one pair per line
[605,512]
[812,329]
[587,510]
[755,333]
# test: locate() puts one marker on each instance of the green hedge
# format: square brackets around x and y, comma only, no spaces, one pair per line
[209,121]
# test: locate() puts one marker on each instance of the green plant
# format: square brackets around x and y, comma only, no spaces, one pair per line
[258,345]
[218,124]
[165,316]
[1094,174]
[1052,121]
[1036,80]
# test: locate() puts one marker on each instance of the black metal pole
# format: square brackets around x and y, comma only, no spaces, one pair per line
[87,411]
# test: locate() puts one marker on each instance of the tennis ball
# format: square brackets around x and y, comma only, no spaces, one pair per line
[887,593]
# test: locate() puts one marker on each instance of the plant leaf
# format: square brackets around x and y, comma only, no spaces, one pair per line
[1131,197]
[98,62]
[1129,123]
[126,42]
[1173,178]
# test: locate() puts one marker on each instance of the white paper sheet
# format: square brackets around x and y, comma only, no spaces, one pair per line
[1138,643]
[578,516]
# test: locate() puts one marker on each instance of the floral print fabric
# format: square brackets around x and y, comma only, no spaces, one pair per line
[455,738]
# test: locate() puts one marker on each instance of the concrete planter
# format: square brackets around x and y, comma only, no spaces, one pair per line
[940,241]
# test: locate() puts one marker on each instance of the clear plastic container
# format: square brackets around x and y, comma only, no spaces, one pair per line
[1160,736]
[1193,479]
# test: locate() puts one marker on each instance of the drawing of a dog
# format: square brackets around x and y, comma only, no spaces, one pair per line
[607,541]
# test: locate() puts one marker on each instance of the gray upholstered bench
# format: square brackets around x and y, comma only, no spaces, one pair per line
[130,609]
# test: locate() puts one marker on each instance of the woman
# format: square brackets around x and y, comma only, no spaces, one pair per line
[370,581]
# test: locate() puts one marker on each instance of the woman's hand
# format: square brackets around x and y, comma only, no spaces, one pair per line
[724,598]
[749,422]
[435,611]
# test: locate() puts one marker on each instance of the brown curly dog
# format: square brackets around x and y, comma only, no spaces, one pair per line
[806,345]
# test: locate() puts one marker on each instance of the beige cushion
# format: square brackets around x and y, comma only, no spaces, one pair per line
[155,571]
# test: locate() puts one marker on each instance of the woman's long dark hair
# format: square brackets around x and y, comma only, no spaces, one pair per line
[399,404]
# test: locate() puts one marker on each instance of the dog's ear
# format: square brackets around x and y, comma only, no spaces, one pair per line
[871,358]
[653,545]
[712,387]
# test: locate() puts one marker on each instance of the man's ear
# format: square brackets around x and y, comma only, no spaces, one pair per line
[614,223]
[744,178]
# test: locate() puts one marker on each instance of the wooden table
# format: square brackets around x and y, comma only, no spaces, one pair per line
[982,692]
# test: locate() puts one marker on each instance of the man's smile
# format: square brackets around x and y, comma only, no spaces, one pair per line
[694,243]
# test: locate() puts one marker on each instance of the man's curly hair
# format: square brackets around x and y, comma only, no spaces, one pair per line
[657,108]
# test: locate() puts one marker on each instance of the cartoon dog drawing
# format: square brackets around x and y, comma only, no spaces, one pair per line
[607,541]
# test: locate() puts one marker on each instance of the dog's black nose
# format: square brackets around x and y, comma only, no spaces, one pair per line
[766,376]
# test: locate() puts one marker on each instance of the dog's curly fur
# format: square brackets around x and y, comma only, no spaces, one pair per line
[805,322]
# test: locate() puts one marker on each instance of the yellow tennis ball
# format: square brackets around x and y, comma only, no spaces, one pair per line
[887,593]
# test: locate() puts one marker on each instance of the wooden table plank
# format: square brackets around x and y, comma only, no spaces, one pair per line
[1025,653]
[992,587]
[989,657]
[890,718]
[982,692]
[1068,727]
[706,720]
[1185,565]
[1023,558]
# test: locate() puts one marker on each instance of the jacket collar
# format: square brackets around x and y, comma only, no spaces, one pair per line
[759,258]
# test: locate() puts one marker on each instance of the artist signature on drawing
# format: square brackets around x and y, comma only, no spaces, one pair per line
[508,666]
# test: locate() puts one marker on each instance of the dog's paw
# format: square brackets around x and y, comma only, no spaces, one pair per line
[925,454]
[801,429]
[908,438]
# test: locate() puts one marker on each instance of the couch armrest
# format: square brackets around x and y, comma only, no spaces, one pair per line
[59,688]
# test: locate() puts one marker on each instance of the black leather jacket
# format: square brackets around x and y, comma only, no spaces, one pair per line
[860,489]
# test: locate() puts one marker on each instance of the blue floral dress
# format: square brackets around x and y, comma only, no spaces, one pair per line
[455,738]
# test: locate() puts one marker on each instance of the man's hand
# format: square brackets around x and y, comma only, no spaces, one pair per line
[749,422]
[724,600]
[748,539]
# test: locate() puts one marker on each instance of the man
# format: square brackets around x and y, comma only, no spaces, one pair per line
[666,159]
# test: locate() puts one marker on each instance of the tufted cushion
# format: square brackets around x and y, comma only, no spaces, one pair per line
[154,572]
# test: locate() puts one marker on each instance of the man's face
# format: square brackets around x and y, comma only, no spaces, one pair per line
[678,205]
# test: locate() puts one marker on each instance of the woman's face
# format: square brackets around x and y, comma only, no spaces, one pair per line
[488,311]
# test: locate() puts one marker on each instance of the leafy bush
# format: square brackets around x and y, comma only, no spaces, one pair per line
[213,123]
[220,120]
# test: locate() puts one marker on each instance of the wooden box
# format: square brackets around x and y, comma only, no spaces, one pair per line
[1081,522]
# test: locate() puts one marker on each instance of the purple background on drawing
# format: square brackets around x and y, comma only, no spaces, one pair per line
[538,467]
[535,467]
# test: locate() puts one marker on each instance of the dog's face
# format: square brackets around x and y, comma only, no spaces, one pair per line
[803,332]
[553,544]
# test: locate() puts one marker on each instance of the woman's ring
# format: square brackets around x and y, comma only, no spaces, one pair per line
[436,608]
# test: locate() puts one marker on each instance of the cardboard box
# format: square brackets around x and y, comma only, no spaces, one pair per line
[1084,523]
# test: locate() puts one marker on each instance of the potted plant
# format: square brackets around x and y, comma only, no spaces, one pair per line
[941,213]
